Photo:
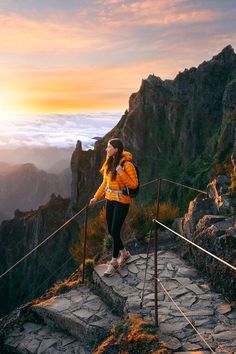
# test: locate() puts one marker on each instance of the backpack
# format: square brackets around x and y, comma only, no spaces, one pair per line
[128,191]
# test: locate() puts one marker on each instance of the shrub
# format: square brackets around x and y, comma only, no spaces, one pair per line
[167,212]
[139,219]
[88,270]
[96,232]
[137,222]
[107,243]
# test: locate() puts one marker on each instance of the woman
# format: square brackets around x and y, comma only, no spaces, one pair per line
[115,178]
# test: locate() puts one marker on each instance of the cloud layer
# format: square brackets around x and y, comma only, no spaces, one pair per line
[56,130]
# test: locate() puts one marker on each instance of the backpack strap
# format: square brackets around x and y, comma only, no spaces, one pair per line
[123,162]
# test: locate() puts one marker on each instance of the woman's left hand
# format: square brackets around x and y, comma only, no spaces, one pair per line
[119,169]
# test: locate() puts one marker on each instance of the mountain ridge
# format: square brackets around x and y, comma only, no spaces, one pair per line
[182,129]
[27,187]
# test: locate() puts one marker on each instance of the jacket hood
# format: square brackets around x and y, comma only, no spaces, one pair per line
[127,156]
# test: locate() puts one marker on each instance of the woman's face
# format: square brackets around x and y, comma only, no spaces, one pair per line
[111,151]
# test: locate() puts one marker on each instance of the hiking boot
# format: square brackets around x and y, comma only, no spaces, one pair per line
[111,269]
[124,259]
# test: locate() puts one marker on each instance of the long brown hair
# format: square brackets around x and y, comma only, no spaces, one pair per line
[112,162]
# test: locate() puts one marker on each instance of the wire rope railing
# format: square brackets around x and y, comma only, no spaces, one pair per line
[169,295]
[41,243]
[45,280]
[56,231]
[72,218]
[154,221]
[184,315]
[184,185]
[197,246]
[157,222]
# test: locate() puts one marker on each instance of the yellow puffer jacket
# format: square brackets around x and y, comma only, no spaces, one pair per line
[128,178]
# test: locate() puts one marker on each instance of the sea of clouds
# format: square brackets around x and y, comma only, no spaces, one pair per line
[56,130]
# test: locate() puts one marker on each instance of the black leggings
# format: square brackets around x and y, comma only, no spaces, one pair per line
[115,216]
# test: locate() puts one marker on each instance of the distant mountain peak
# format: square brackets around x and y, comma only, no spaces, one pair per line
[228,49]
[28,167]
[227,54]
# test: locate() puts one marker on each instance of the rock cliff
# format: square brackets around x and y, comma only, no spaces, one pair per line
[19,236]
[26,187]
[211,223]
[181,129]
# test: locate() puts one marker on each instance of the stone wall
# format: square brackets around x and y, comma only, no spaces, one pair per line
[211,223]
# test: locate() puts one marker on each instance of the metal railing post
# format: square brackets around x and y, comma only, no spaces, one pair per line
[155,253]
[85,239]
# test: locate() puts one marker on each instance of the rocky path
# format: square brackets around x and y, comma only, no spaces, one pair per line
[213,317]
[87,317]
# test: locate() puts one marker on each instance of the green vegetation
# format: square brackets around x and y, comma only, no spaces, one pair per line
[107,243]
[88,270]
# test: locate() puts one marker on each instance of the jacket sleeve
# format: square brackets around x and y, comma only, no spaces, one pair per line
[129,176]
[101,190]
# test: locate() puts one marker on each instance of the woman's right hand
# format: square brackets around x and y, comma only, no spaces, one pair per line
[92,201]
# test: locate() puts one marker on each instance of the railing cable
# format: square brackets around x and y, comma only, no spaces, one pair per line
[184,185]
[145,184]
[173,182]
[74,216]
[194,244]
[187,319]
[48,278]
[41,243]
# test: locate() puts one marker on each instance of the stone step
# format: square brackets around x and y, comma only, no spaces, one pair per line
[39,338]
[123,290]
[208,311]
[80,313]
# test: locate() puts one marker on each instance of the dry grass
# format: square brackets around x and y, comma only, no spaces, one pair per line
[139,219]
[61,287]
[96,233]
[134,336]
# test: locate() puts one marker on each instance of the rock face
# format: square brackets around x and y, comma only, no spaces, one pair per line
[19,236]
[25,187]
[211,223]
[181,129]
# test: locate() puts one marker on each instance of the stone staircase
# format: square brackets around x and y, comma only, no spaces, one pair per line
[79,313]
[75,322]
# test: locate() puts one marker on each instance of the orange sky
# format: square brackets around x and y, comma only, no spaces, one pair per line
[61,57]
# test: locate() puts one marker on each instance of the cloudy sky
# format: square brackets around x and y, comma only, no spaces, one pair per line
[90,55]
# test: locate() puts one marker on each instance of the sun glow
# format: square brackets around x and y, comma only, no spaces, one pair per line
[6,117]
[5,105]
[10,109]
